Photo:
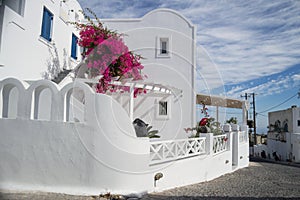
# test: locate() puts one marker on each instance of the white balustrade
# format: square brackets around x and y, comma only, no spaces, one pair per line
[220,143]
[164,151]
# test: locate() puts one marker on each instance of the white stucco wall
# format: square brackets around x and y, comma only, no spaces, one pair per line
[99,154]
[296,118]
[288,148]
[23,52]
[282,149]
[291,114]
[295,139]
[177,70]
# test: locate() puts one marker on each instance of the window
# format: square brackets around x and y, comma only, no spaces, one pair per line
[16,5]
[163,47]
[74,46]
[298,122]
[47,24]
[163,109]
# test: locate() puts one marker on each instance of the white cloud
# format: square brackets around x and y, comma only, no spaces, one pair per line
[242,40]
[274,86]
[296,77]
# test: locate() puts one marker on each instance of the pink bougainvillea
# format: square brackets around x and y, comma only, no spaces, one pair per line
[107,55]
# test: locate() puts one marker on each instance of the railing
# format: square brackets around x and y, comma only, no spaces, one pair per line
[220,143]
[164,151]
[243,136]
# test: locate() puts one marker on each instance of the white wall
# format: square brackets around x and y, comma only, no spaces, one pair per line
[97,155]
[283,149]
[295,139]
[296,118]
[178,70]
[291,114]
[24,53]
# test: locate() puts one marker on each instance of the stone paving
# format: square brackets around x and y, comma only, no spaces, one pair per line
[261,180]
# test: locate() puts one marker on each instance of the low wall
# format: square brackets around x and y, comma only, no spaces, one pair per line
[70,158]
[100,152]
[295,140]
[287,149]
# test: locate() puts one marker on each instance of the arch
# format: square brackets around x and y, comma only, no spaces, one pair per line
[10,97]
[74,97]
[11,90]
[170,11]
[153,12]
[42,100]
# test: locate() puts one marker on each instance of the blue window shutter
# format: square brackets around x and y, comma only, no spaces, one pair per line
[47,24]
[74,46]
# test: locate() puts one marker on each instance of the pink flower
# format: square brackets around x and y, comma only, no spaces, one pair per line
[203,121]
[108,55]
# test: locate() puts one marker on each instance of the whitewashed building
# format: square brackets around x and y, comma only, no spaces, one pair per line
[283,135]
[67,138]
[35,36]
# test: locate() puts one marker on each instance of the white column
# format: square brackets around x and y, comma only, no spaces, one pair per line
[217,113]
[131,103]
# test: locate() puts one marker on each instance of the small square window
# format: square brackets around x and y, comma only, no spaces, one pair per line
[163,47]
[163,108]
[298,122]
[47,24]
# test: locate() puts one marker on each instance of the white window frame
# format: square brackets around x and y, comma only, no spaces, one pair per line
[159,40]
[168,114]
[20,7]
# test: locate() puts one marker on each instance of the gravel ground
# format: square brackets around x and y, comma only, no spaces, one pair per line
[262,180]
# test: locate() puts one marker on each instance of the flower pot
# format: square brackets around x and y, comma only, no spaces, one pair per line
[203,129]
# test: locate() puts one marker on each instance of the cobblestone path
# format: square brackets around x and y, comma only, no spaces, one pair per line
[261,180]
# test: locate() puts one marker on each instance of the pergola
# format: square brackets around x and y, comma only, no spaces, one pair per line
[219,101]
[152,89]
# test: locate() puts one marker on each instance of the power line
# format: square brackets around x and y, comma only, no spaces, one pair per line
[279,104]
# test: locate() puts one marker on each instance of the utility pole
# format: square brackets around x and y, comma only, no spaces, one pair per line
[254,118]
[254,113]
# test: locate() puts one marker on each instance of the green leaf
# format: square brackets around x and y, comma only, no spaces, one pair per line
[153,132]
[149,128]
[154,136]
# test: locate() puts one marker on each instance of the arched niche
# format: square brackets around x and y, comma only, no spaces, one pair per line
[74,105]
[42,103]
[9,101]
[42,98]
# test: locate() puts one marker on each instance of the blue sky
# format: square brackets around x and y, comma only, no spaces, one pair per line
[242,46]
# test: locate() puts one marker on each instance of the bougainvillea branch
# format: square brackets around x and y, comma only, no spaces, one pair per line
[107,55]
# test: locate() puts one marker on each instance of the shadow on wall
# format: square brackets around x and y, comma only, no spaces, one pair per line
[53,63]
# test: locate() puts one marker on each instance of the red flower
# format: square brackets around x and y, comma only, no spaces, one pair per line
[203,122]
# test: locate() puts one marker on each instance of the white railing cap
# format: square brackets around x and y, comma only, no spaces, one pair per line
[235,127]
[226,128]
